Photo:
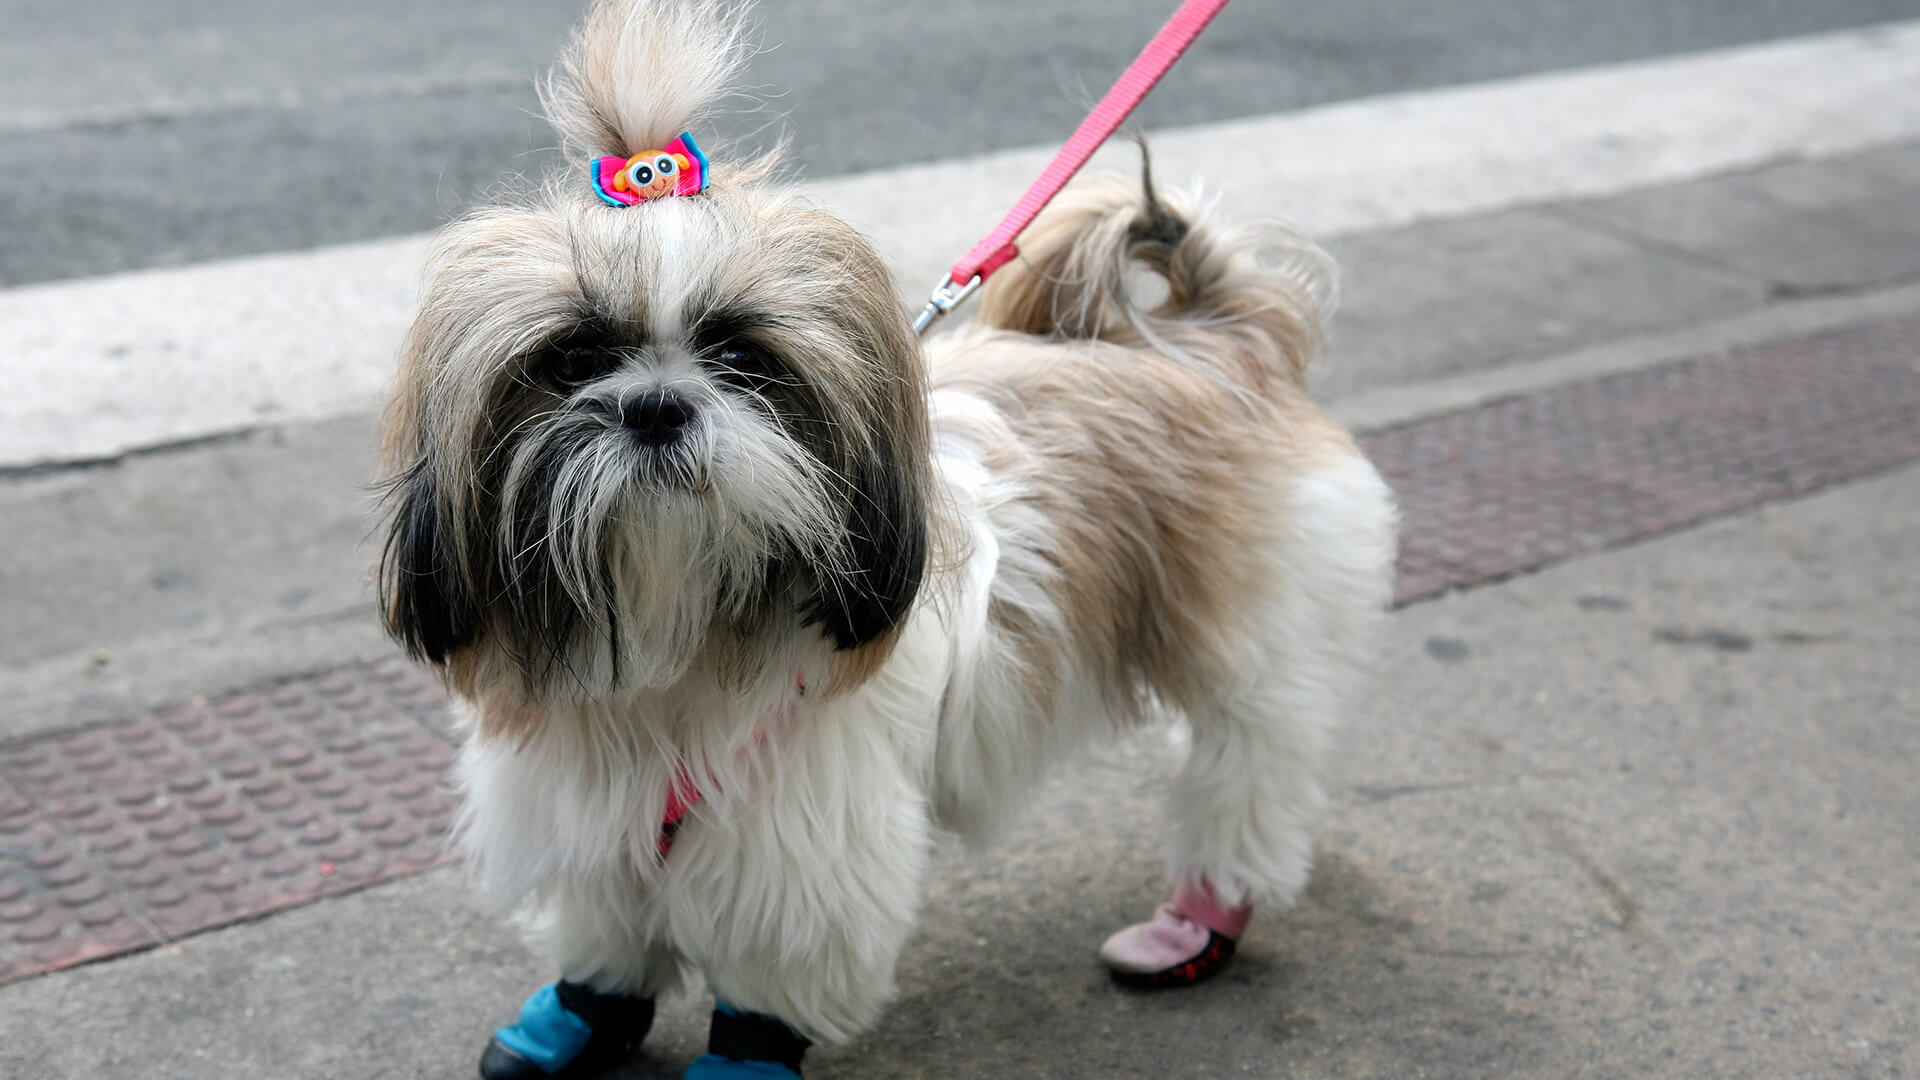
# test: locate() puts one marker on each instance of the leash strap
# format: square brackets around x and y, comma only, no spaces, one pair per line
[1133,86]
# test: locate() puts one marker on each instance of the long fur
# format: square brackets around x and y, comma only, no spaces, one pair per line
[638,73]
[856,602]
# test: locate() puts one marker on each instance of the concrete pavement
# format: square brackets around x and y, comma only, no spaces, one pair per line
[1646,814]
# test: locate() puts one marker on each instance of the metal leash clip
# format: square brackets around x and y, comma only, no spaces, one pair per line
[946,296]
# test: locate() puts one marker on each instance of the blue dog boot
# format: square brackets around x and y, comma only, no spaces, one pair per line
[748,1046]
[714,1067]
[566,1029]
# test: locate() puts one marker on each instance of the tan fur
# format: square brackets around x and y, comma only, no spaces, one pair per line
[1251,321]
[849,669]
[1156,442]
[636,74]
[1160,483]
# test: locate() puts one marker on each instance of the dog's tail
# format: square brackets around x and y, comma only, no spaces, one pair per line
[1267,291]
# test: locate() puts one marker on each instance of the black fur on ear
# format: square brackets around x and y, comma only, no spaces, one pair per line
[424,601]
[883,556]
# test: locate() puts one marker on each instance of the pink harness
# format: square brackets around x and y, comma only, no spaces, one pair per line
[682,797]
[684,794]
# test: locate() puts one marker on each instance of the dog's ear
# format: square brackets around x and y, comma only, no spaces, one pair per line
[883,556]
[424,599]
[884,546]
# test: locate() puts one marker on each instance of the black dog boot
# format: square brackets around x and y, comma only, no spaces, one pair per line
[748,1046]
[566,1029]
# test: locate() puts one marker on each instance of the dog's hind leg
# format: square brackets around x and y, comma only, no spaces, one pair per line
[1254,784]
[1242,810]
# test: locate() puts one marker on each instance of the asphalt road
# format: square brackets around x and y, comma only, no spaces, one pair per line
[135,134]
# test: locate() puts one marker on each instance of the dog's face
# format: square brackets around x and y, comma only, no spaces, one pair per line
[625,435]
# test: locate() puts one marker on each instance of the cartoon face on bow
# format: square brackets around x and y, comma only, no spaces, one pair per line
[678,168]
[650,173]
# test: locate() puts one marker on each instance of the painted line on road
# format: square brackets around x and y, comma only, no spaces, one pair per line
[95,368]
[36,118]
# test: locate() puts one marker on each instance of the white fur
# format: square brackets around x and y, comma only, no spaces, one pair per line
[1254,781]
[793,886]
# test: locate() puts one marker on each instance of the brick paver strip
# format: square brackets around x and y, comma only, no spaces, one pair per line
[1518,484]
[120,836]
[144,830]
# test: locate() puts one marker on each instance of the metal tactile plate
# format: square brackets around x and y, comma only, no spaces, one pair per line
[1520,483]
[189,817]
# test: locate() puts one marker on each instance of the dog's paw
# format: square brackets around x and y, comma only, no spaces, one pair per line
[1187,941]
[566,1029]
[498,1062]
[748,1046]
[1167,952]
[715,1067]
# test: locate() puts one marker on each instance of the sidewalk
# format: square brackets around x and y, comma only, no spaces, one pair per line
[1647,811]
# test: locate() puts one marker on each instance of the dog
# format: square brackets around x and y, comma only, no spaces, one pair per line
[743,595]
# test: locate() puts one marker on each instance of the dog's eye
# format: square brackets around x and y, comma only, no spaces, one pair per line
[745,359]
[746,366]
[571,366]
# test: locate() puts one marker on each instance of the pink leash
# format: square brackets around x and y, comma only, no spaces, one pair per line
[1135,83]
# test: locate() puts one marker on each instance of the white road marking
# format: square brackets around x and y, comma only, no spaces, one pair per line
[30,118]
[93,368]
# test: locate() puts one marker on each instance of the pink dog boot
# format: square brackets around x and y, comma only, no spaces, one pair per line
[1186,942]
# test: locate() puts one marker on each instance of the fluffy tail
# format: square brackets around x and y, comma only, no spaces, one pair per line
[1077,278]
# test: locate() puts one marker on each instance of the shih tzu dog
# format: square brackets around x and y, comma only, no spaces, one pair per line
[742,594]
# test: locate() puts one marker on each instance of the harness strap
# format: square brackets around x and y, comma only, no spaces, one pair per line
[682,797]
[684,793]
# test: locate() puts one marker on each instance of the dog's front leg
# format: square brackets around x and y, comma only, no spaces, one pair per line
[610,974]
[825,876]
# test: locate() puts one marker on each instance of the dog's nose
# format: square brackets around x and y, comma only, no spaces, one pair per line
[656,418]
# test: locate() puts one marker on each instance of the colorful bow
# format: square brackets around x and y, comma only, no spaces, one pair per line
[678,168]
